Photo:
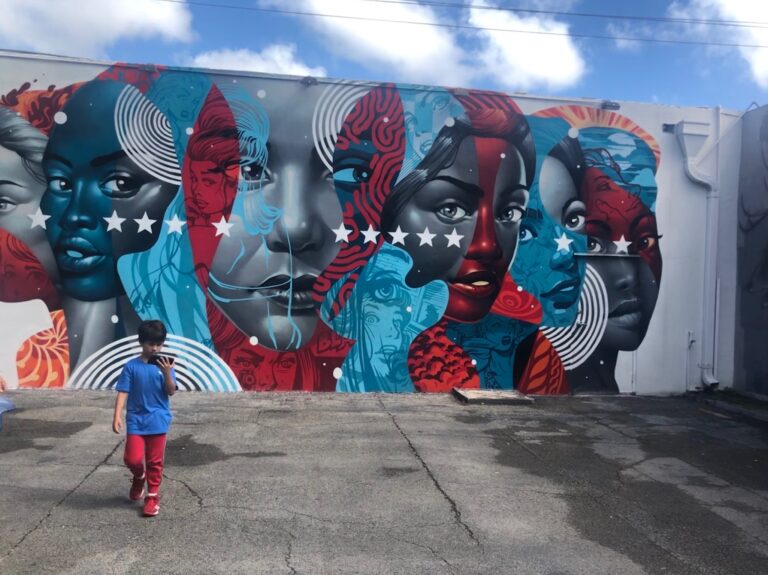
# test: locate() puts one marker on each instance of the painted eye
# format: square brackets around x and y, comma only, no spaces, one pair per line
[59,185]
[7,205]
[255,172]
[595,246]
[647,242]
[452,212]
[511,215]
[356,175]
[575,216]
[286,364]
[121,186]
[387,290]
[526,234]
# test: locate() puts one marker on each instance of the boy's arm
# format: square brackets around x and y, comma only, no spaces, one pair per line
[122,387]
[117,420]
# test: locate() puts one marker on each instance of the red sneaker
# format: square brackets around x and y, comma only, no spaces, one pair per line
[137,488]
[151,506]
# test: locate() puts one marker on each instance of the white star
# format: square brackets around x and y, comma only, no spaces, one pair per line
[454,239]
[222,227]
[175,225]
[114,222]
[398,236]
[622,246]
[425,237]
[342,233]
[370,235]
[38,219]
[563,243]
[145,224]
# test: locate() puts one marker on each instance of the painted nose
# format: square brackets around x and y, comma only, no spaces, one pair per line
[562,259]
[485,244]
[625,273]
[79,212]
[300,228]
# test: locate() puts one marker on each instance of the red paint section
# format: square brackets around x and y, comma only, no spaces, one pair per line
[437,365]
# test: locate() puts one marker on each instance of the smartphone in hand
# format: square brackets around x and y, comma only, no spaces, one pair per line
[154,359]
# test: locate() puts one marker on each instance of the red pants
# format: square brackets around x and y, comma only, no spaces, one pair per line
[151,448]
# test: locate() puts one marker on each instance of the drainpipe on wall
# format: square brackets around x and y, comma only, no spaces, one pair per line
[692,137]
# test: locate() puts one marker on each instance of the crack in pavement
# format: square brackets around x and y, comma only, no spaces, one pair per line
[428,548]
[62,500]
[454,508]
[194,493]
[288,555]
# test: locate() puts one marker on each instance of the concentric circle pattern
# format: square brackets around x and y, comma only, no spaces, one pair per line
[330,112]
[145,135]
[576,342]
[197,367]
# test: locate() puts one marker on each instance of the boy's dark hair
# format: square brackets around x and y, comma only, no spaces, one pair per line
[152,331]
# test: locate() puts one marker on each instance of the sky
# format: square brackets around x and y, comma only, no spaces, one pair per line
[565,48]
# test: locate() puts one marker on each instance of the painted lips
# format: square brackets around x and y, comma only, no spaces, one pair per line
[563,294]
[77,255]
[293,294]
[626,314]
[480,284]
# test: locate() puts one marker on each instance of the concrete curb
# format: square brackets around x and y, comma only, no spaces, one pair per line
[753,414]
[491,396]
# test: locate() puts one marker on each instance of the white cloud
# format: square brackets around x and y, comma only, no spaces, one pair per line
[745,11]
[88,27]
[408,52]
[545,56]
[428,54]
[622,32]
[274,59]
[553,5]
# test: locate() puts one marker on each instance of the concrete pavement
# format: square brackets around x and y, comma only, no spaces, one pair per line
[336,483]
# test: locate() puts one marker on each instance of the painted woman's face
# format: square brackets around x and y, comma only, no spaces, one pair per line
[20,195]
[384,305]
[91,179]
[550,235]
[206,175]
[622,233]
[263,272]
[463,225]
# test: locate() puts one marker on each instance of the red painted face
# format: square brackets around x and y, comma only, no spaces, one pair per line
[479,201]
[619,224]
[478,280]
[613,215]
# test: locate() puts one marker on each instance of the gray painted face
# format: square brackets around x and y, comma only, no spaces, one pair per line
[263,272]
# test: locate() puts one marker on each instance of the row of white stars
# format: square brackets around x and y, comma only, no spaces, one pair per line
[223,227]
[115,222]
[564,244]
[454,239]
[398,236]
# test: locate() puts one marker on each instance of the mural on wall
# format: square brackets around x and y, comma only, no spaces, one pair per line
[753,252]
[301,235]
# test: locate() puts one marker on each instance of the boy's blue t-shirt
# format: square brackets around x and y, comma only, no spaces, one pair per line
[148,411]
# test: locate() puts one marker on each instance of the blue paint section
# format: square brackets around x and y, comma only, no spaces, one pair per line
[549,270]
[631,163]
[491,343]
[160,281]
[426,111]
[383,316]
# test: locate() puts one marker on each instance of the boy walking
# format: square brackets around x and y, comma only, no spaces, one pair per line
[144,386]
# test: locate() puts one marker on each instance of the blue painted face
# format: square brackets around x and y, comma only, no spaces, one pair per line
[545,264]
[90,178]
